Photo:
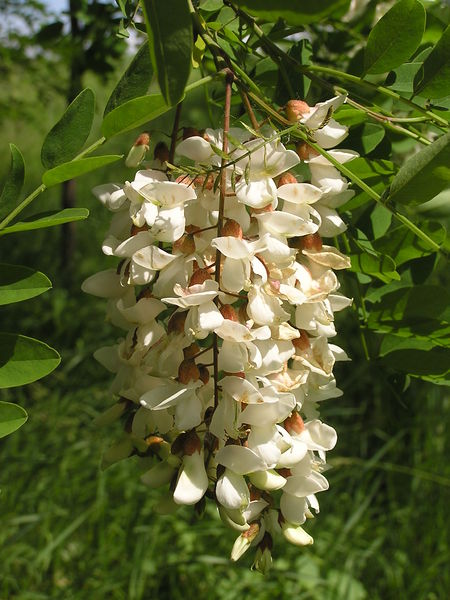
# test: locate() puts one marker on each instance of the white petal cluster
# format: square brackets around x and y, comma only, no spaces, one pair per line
[238,424]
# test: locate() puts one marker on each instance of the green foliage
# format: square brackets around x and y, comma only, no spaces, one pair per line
[14,182]
[19,283]
[133,113]
[68,136]
[395,37]
[24,360]
[169,29]
[77,167]
[423,175]
[134,82]
[50,219]
[433,79]
[12,417]
[294,12]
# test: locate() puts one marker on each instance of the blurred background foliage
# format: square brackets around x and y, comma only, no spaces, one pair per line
[71,531]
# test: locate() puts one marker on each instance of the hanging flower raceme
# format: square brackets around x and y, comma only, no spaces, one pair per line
[226,296]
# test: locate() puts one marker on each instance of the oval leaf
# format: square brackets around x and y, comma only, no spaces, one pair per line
[68,136]
[14,182]
[424,175]
[19,283]
[433,80]
[382,267]
[12,417]
[49,219]
[24,360]
[75,168]
[395,37]
[403,245]
[371,135]
[134,82]
[294,12]
[133,113]
[169,29]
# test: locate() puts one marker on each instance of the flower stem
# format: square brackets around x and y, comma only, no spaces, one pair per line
[175,128]
[223,182]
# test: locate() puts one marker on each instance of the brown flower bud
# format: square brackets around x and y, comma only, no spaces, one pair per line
[191,350]
[312,241]
[191,444]
[204,374]
[199,276]
[240,374]
[204,183]
[286,178]
[295,109]
[190,132]
[284,472]
[188,371]
[184,179]
[192,229]
[143,139]
[301,343]
[252,531]
[161,152]
[264,209]
[176,322]
[154,440]
[228,312]
[294,424]
[305,151]
[135,229]
[185,244]
[232,229]
[138,150]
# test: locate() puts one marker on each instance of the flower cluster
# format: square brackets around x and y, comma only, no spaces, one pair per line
[226,318]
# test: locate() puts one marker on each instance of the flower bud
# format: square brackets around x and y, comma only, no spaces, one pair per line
[137,152]
[301,343]
[161,152]
[205,183]
[135,229]
[185,244]
[286,178]
[296,534]
[176,322]
[294,424]
[188,371]
[191,350]
[228,312]
[305,151]
[204,374]
[263,556]
[295,109]
[232,229]
[312,241]
[190,132]
[264,209]
[199,276]
[243,542]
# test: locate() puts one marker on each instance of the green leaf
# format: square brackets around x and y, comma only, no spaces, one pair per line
[12,417]
[24,360]
[133,113]
[402,78]
[395,37]
[403,245]
[421,311]
[75,168]
[134,82]
[367,169]
[433,80]
[48,219]
[19,283]
[371,135]
[68,136]
[294,12]
[418,363]
[423,175]
[169,29]
[14,182]
[372,263]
